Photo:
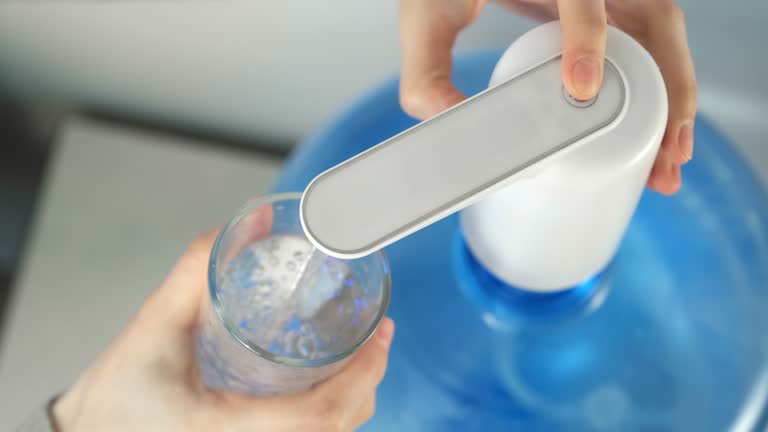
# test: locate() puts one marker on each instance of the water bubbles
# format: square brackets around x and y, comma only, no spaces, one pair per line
[290,314]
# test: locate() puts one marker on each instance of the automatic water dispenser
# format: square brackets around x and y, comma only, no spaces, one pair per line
[535,286]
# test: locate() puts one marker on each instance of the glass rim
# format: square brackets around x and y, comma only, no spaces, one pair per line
[235,332]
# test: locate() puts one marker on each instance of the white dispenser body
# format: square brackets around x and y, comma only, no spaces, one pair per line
[559,226]
[552,182]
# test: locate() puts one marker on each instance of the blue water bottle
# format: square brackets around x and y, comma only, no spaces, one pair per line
[536,286]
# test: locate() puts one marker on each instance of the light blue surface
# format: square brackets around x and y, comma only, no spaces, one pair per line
[671,337]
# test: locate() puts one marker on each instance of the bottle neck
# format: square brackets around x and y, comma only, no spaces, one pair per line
[505,307]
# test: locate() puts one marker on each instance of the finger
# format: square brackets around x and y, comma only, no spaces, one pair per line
[668,44]
[584,35]
[341,396]
[175,304]
[428,30]
[177,301]
[665,176]
[366,411]
[174,307]
[366,370]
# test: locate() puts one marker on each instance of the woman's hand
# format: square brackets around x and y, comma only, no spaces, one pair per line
[429,28]
[148,380]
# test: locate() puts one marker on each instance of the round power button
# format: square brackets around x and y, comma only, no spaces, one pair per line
[578,103]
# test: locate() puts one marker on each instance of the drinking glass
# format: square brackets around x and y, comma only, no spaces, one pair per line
[281,315]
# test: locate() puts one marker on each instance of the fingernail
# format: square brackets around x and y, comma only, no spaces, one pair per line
[685,140]
[586,76]
[385,332]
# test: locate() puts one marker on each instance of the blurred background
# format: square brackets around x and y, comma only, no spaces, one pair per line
[127,127]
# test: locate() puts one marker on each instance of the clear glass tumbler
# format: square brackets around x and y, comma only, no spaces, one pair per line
[281,315]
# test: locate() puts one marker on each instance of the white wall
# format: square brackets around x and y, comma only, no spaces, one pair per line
[257,68]
[277,68]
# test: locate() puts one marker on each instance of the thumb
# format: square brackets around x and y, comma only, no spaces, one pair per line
[174,306]
[585,28]
[365,371]
[341,401]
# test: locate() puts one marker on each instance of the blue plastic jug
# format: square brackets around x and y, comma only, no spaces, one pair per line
[672,336]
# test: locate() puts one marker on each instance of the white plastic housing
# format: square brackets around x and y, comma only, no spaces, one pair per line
[562,225]
[445,163]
